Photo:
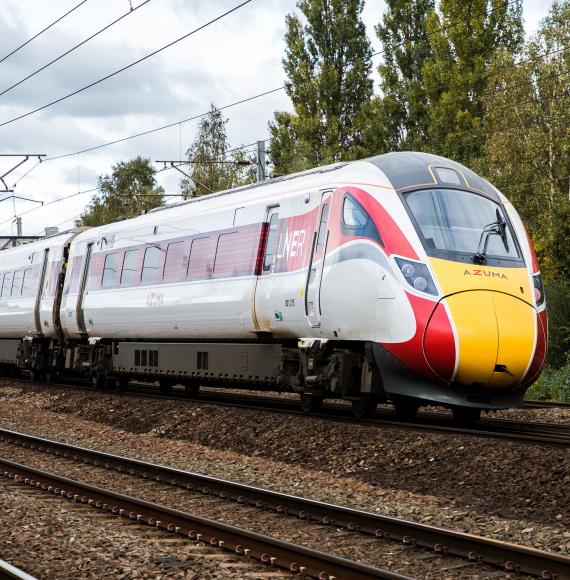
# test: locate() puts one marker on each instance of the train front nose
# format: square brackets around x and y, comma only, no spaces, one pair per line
[495,335]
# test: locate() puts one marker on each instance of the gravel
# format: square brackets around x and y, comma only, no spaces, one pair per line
[510,491]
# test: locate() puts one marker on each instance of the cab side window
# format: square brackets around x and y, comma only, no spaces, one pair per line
[356,221]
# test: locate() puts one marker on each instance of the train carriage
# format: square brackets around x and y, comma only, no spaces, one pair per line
[404,278]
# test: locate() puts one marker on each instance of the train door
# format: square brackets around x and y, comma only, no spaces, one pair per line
[41,290]
[265,278]
[316,266]
[83,288]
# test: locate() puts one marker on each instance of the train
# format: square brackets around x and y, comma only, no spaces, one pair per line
[404,278]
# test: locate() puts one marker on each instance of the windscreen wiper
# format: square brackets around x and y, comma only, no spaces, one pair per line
[496,228]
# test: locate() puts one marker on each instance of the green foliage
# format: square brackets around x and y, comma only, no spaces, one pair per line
[553,385]
[328,64]
[527,153]
[464,37]
[129,191]
[558,304]
[211,145]
[398,120]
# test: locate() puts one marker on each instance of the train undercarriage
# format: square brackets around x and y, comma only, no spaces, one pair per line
[315,369]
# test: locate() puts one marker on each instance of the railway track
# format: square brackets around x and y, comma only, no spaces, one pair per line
[441,542]
[526,432]
[545,405]
[534,432]
[9,572]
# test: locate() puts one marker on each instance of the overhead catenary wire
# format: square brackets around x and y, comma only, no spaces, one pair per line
[42,31]
[132,64]
[74,48]
[245,100]
[48,203]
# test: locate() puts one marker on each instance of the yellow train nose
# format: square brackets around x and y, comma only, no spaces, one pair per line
[495,335]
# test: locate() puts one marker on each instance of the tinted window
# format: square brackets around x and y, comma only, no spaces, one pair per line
[271,241]
[109,271]
[356,221]
[27,282]
[323,229]
[200,265]
[175,265]
[17,283]
[129,273]
[353,215]
[151,264]
[226,252]
[454,220]
[7,284]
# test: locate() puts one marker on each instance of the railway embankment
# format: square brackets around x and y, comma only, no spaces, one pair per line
[505,490]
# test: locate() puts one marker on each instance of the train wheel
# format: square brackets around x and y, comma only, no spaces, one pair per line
[96,381]
[165,386]
[192,389]
[466,415]
[310,404]
[406,410]
[364,407]
[120,383]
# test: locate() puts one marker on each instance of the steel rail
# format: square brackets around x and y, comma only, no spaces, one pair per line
[9,572]
[267,550]
[511,430]
[531,404]
[505,555]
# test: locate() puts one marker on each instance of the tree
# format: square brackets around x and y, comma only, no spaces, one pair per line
[528,145]
[211,145]
[328,64]
[398,119]
[129,191]
[527,155]
[465,37]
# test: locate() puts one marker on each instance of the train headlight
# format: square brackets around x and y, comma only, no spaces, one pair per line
[538,289]
[417,275]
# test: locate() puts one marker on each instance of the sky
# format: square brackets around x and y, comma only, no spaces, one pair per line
[232,59]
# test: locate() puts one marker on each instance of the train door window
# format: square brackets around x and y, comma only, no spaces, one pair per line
[17,283]
[151,264]
[200,263]
[272,238]
[322,229]
[109,271]
[7,284]
[175,263]
[27,282]
[129,272]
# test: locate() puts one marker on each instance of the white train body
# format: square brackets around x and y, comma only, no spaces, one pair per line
[320,264]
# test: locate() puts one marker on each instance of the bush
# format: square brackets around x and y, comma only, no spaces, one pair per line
[558,305]
[553,384]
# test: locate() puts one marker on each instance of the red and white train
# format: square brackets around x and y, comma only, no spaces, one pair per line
[403,278]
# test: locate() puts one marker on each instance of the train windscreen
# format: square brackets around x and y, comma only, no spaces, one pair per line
[455,221]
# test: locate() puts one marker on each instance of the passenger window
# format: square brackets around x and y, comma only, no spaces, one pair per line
[151,264]
[226,253]
[129,273]
[200,263]
[7,284]
[109,270]
[17,283]
[175,263]
[322,229]
[272,238]
[27,283]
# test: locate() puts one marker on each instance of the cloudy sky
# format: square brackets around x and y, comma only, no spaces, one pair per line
[236,57]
